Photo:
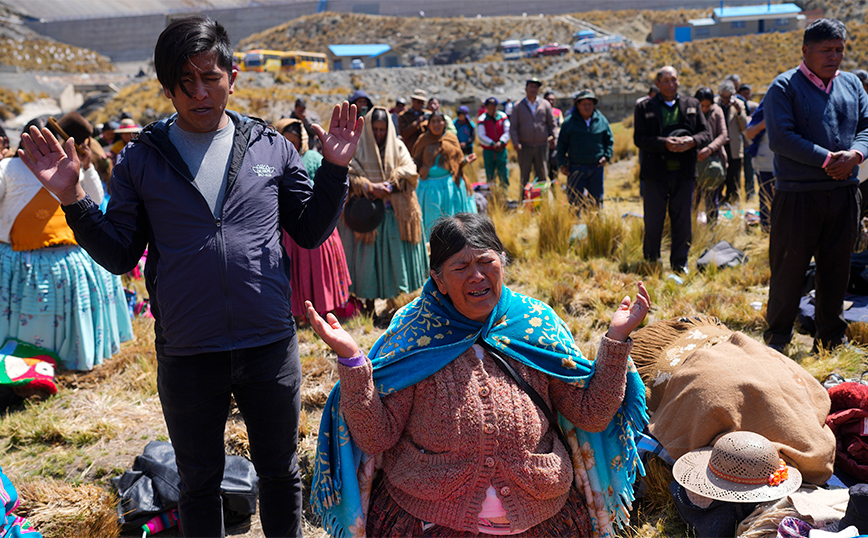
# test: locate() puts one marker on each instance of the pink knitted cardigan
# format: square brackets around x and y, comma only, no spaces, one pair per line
[445,439]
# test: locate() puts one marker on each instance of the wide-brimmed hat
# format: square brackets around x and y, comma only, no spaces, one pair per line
[363,214]
[585,94]
[419,95]
[857,511]
[741,467]
[75,126]
[128,126]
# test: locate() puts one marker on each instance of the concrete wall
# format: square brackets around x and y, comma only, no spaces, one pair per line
[132,37]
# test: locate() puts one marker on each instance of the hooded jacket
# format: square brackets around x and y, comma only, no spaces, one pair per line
[215,284]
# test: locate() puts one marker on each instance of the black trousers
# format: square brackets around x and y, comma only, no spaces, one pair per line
[195,393]
[733,179]
[674,195]
[818,224]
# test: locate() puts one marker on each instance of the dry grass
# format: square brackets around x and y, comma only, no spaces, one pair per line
[59,510]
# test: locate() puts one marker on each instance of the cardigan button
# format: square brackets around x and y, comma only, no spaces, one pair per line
[488,428]
[484,391]
[489,462]
[504,491]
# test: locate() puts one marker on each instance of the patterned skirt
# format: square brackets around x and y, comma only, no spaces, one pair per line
[59,298]
[388,520]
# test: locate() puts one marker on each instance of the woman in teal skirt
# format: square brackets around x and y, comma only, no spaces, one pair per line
[440,160]
[52,293]
[391,259]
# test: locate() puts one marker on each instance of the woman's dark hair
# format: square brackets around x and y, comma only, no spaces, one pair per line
[704,94]
[450,235]
[293,128]
[379,114]
[437,114]
[184,39]
[824,30]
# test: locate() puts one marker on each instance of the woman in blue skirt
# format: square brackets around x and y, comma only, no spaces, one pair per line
[52,293]
[442,190]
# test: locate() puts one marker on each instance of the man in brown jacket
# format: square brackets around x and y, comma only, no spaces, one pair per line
[414,121]
[532,129]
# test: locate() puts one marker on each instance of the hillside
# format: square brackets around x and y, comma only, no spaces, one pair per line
[23,48]
[441,41]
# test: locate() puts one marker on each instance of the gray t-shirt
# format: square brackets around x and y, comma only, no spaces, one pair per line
[207,156]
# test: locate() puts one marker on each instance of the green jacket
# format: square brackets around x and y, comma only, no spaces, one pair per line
[579,143]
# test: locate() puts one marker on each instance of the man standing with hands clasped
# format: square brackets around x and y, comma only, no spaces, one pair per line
[669,129]
[817,123]
[207,191]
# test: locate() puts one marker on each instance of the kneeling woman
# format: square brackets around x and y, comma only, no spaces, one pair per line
[462,447]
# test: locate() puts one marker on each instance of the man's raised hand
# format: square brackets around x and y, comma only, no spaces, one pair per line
[340,142]
[55,166]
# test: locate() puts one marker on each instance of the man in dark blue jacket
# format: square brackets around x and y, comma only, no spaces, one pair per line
[208,191]
[817,123]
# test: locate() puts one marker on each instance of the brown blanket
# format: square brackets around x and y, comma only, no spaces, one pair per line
[740,384]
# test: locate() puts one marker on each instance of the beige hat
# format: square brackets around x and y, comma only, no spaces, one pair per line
[419,95]
[742,467]
[128,126]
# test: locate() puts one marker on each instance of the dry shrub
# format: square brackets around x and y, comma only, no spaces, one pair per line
[857,333]
[59,510]
[605,231]
[555,219]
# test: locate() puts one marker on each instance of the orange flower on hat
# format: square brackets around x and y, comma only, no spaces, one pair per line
[780,475]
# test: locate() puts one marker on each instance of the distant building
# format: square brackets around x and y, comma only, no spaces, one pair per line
[734,21]
[372,55]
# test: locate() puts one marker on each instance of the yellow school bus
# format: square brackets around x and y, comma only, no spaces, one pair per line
[262,60]
[278,60]
[315,62]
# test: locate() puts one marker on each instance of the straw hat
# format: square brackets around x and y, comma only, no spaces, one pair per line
[741,467]
[128,126]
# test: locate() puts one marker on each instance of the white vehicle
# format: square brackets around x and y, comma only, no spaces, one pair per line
[599,44]
[511,49]
[529,46]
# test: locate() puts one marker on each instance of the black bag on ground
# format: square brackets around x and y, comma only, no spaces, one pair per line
[152,486]
[723,254]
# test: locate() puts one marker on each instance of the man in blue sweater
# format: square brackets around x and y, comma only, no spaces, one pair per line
[817,123]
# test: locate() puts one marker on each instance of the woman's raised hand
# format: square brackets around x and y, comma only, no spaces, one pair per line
[332,333]
[629,315]
[340,142]
[55,166]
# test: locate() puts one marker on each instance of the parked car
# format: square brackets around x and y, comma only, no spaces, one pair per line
[357,64]
[552,49]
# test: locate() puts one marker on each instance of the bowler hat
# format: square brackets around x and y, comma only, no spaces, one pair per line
[74,125]
[363,214]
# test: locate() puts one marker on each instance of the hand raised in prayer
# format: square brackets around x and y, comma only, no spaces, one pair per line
[340,142]
[332,333]
[55,166]
[629,315]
